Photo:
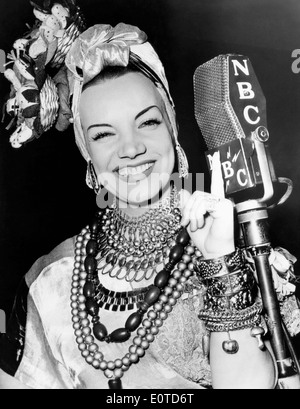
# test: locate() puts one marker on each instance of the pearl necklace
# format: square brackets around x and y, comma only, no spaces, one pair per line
[158,303]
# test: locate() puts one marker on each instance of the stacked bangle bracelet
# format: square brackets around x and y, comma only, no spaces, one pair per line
[231,299]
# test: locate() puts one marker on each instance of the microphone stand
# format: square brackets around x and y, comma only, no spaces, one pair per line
[254,223]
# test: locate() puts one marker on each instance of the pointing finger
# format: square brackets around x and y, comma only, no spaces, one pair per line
[217,182]
[186,210]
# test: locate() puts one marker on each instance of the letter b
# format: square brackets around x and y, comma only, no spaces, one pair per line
[228,170]
[245,90]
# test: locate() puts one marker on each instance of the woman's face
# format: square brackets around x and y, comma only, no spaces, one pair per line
[128,137]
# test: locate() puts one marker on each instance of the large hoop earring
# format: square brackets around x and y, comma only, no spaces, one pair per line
[91,178]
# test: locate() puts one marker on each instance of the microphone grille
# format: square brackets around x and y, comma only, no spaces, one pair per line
[213,110]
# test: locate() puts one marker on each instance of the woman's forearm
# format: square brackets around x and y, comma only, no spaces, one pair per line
[249,368]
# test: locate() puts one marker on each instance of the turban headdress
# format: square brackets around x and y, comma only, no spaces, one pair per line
[102,46]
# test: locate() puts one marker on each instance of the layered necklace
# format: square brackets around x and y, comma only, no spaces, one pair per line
[133,248]
[155,302]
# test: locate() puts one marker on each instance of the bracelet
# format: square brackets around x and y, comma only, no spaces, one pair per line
[233,291]
[229,282]
[227,321]
[224,321]
[230,300]
[206,269]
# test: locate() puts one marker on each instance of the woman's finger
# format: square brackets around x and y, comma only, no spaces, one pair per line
[217,182]
[187,201]
[200,216]
[196,214]
[196,206]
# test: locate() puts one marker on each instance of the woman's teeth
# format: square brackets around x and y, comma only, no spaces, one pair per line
[134,171]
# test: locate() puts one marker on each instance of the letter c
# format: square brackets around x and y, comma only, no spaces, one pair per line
[238,175]
[247,117]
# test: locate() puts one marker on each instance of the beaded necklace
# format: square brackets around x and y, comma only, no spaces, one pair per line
[158,303]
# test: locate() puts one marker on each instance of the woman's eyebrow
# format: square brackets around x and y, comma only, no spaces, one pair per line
[138,116]
[145,110]
[97,125]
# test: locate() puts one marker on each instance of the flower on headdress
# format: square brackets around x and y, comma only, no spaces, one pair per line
[103,45]
[282,265]
[34,97]
[46,5]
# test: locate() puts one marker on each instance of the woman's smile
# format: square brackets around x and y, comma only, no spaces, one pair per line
[136,173]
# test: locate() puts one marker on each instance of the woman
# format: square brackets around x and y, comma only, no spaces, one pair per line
[117,306]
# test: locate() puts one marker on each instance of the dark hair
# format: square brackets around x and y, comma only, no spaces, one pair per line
[136,64]
[111,72]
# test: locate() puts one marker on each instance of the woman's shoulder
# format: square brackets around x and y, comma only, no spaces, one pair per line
[63,251]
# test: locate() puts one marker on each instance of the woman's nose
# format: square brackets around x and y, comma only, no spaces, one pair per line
[131,146]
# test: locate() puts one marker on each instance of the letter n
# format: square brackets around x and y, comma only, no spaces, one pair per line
[239,66]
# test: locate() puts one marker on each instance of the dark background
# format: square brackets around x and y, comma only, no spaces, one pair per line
[43,196]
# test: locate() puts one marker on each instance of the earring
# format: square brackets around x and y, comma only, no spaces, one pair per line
[182,161]
[91,178]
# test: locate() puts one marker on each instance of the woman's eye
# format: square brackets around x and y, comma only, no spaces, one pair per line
[150,123]
[101,135]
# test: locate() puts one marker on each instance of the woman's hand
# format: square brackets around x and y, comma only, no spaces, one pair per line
[209,218]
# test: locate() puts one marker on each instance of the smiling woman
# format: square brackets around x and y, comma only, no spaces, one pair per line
[118,305]
[128,136]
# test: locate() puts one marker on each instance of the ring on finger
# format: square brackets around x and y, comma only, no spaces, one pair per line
[212,203]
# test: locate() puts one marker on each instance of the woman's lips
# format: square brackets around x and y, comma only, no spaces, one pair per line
[133,174]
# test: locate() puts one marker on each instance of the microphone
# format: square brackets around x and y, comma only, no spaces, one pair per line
[230,109]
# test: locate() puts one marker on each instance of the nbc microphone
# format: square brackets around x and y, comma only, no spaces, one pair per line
[230,109]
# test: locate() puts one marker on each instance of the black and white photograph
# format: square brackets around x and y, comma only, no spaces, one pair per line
[150,197]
